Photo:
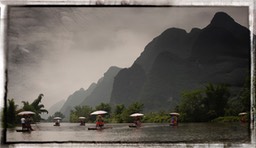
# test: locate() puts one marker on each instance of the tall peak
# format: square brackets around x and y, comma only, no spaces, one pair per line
[113,70]
[81,89]
[222,19]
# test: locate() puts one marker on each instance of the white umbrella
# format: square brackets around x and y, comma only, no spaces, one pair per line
[26,113]
[81,118]
[137,115]
[99,112]
[57,118]
[241,114]
[174,114]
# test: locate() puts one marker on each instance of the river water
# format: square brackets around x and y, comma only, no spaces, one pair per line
[149,132]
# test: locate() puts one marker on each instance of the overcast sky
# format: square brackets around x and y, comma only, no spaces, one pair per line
[56,51]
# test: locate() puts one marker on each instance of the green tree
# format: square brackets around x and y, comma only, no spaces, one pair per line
[80,111]
[192,107]
[73,117]
[117,117]
[104,106]
[36,107]
[11,113]
[157,117]
[27,106]
[244,96]
[204,105]
[136,107]
[234,107]
[39,108]
[240,103]
[119,109]
[216,99]
[56,114]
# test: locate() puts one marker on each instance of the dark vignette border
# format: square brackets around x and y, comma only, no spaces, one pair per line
[99,4]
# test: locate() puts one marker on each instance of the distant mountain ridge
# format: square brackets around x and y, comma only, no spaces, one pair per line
[96,93]
[75,99]
[54,108]
[176,61]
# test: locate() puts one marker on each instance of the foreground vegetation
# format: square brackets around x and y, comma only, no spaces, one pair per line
[11,118]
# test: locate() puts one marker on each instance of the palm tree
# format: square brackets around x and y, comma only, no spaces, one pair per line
[11,113]
[39,107]
[36,107]
[216,98]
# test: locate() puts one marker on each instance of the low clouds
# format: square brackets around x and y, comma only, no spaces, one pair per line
[58,50]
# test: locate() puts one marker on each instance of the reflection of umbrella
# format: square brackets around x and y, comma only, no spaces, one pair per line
[26,113]
[81,118]
[57,118]
[136,115]
[174,114]
[241,114]
[99,112]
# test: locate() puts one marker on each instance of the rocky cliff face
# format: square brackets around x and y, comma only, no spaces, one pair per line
[127,85]
[103,89]
[177,61]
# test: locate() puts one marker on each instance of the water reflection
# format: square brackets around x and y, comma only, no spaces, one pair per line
[185,132]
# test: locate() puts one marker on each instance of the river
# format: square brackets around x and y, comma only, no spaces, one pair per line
[149,132]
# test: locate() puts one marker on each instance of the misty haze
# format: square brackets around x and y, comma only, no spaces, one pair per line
[156,60]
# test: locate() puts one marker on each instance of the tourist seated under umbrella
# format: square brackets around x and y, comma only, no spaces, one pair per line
[174,119]
[137,119]
[57,121]
[242,117]
[28,121]
[23,123]
[99,121]
[82,121]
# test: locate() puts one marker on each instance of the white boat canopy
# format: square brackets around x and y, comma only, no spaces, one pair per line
[99,112]
[26,113]
[137,115]
[241,114]
[57,118]
[174,114]
[81,118]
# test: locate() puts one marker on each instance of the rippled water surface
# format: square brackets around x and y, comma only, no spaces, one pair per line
[185,132]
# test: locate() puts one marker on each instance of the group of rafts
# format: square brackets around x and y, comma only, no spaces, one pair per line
[99,121]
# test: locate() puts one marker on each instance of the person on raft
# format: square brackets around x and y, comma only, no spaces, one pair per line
[23,123]
[137,121]
[28,121]
[99,121]
[174,120]
[57,122]
[82,122]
